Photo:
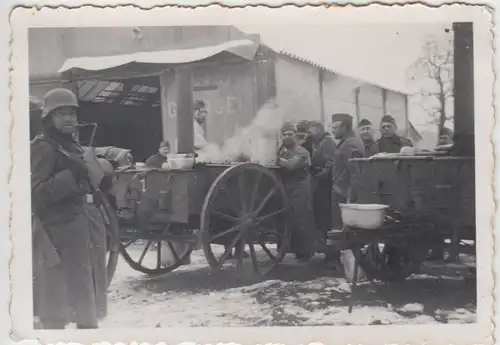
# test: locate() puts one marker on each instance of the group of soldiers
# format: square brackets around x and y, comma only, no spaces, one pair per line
[316,175]
[70,234]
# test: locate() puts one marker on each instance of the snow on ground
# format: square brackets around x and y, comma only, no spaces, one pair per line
[294,295]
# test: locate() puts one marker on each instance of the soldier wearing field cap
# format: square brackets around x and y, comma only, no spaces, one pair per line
[365,129]
[390,142]
[348,146]
[303,138]
[295,161]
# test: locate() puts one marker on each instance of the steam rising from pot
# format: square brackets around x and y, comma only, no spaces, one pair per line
[256,142]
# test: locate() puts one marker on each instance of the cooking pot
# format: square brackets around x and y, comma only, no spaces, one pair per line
[181,161]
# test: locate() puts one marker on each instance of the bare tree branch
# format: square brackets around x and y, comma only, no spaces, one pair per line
[434,69]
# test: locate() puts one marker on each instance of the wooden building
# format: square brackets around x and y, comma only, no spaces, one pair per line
[126,81]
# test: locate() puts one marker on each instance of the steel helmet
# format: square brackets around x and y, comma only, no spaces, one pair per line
[58,98]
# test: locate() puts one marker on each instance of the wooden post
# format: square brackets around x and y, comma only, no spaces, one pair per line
[464,88]
[168,95]
[464,118]
[384,101]
[321,95]
[177,109]
[185,130]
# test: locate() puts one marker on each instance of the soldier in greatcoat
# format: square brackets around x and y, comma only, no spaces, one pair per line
[348,146]
[295,161]
[70,265]
[323,152]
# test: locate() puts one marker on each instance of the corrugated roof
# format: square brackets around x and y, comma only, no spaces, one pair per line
[300,57]
[116,92]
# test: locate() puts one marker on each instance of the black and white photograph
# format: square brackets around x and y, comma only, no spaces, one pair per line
[253,169]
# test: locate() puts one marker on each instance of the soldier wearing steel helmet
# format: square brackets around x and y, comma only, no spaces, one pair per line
[71,288]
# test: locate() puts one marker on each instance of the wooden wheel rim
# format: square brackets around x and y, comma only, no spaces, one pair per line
[207,211]
[112,230]
[159,270]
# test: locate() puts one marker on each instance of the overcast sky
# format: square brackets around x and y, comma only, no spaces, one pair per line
[378,53]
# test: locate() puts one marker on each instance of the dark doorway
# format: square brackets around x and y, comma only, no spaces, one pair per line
[127,113]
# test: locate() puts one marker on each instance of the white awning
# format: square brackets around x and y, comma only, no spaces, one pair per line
[245,49]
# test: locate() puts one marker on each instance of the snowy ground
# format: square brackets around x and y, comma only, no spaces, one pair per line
[293,295]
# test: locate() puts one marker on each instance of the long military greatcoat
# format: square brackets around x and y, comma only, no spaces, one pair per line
[323,154]
[70,283]
[297,181]
[347,148]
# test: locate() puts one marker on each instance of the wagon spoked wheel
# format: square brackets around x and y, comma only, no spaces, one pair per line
[243,224]
[112,235]
[146,254]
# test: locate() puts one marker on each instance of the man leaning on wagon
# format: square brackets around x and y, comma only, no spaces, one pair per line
[71,288]
[349,146]
[390,142]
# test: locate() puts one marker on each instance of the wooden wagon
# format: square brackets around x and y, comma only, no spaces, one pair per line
[226,207]
[431,196]
[430,199]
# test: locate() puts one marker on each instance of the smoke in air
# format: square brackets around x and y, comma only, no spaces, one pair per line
[256,142]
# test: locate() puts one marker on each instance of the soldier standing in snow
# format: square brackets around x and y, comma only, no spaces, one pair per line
[295,161]
[323,152]
[72,287]
[349,146]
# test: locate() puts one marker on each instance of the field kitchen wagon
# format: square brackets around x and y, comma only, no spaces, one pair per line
[232,205]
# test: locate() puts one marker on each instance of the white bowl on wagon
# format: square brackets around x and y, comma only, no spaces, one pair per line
[364,216]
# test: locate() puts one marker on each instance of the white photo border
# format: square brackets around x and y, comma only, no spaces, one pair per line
[20,230]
